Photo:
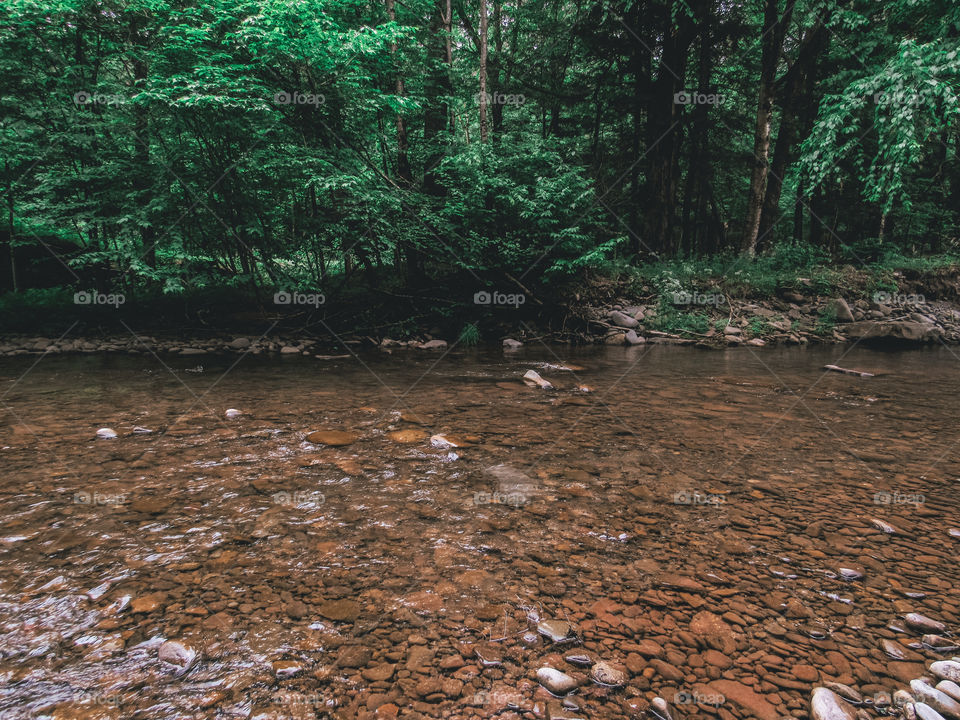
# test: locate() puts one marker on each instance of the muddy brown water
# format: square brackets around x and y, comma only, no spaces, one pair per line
[694,518]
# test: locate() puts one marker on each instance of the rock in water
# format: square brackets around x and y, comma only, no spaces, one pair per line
[948,687]
[176,653]
[556,630]
[941,702]
[603,673]
[555,681]
[827,705]
[946,670]
[106,433]
[331,437]
[660,709]
[232,413]
[532,377]
[925,712]
[922,622]
[884,526]
[940,644]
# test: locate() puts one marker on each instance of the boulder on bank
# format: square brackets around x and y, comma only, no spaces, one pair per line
[622,319]
[892,331]
[841,311]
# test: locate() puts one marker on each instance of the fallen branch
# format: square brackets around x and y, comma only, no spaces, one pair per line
[845,371]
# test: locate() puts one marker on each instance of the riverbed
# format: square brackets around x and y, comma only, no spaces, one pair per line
[723,529]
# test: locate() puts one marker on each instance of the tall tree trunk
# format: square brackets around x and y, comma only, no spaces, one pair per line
[403,157]
[796,90]
[484,97]
[774,29]
[8,240]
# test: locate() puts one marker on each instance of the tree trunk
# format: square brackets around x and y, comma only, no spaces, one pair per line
[403,158]
[484,97]
[774,29]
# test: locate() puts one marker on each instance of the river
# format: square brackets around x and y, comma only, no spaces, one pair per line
[705,522]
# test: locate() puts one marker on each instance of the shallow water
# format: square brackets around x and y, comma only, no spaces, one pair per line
[690,517]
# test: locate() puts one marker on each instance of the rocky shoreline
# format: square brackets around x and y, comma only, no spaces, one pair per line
[789,318]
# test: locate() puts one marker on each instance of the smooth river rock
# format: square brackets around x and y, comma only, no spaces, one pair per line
[946,670]
[941,702]
[827,705]
[557,682]
[331,437]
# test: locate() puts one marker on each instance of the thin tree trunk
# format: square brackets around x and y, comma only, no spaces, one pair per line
[484,98]
[774,29]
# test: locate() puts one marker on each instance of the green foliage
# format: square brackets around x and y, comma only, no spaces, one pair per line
[469,335]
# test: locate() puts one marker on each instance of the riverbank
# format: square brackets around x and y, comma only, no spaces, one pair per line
[675,304]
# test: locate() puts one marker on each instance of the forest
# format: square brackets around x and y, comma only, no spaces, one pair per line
[305,144]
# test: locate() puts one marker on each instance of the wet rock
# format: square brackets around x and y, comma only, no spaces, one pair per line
[922,622]
[661,709]
[239,343]
[580,659]
[805,673]
[925,712]
[433,345]
[631,338]
[232,413]
[555,630]
[827,705]
[106,433]
[178,654]
[605,673]
[445,441]
[354,656]
[940,644]
[622,319]
[331,437]
[939,701]
[147,603]
[556,682]
[407,436]
[746,698]
[884,526]
[532,377]
[845,691]
[897,651]
[511,344]
[850,572]
[340,610]
[714,631]
[283,669]
[379,673]
[948,687]
[946,670]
